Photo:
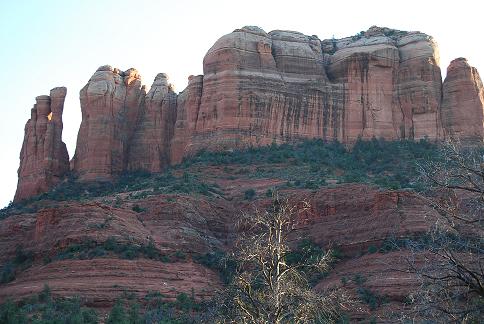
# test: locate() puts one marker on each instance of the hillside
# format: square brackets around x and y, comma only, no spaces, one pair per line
[141,221]
[163,233]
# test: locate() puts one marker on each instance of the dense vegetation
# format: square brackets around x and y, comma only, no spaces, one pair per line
[314,163]
[43,309]
[310,164]
[139,184]
[22,260]
[90,249]
[154,308]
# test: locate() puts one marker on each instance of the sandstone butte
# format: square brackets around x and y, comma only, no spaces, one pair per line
[257,88]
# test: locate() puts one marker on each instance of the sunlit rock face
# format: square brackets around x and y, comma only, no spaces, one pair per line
[463,101]
[418,90]
[260,88]
[281,86]
[391,82]
[43,159]
[111,103]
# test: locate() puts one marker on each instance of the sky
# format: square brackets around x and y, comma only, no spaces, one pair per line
[50,43]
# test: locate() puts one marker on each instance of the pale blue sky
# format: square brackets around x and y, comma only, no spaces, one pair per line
[51,43]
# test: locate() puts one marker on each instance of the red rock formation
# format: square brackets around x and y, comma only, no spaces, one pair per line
[173,223]
[259,88]
[351,217]
[463,102]
[188,106]
[280,86]
[43,158]
[150,147]
[101,281]
[110,102]
[418,90]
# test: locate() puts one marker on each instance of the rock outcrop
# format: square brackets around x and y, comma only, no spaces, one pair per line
[463,101]
[188,106]
[281,86]
[150,147]
[111,103]
[392,84]
[43,159]
[259,88]
[350,217]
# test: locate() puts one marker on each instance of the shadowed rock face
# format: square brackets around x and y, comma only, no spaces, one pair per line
[150,147]
[463,101]
[43,159]
[259,88]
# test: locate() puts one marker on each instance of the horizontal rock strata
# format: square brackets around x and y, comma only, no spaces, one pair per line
[43,159]
[259,88]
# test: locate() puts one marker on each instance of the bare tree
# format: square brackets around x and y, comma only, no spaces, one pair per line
[268,287]
[450,261]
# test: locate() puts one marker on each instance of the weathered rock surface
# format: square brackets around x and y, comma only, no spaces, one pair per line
[173,223]
[353,217]
[101,281]
[150,147]
[282,86]
[43,159]
[185,224]
[188,106]
[349,217]
[110,102]
[463,102]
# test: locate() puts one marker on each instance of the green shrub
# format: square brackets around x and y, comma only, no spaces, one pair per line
[156,309]
[372,249]
[373,300]
[22,260]
[10,313]
[269,192]
[138,209]
[180,255]
[117,314]
[186,303]
[45,295]
[89,249]
[7,273]
[220,262]
[359,279]
[249,194]
[43,309]
[134,316]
